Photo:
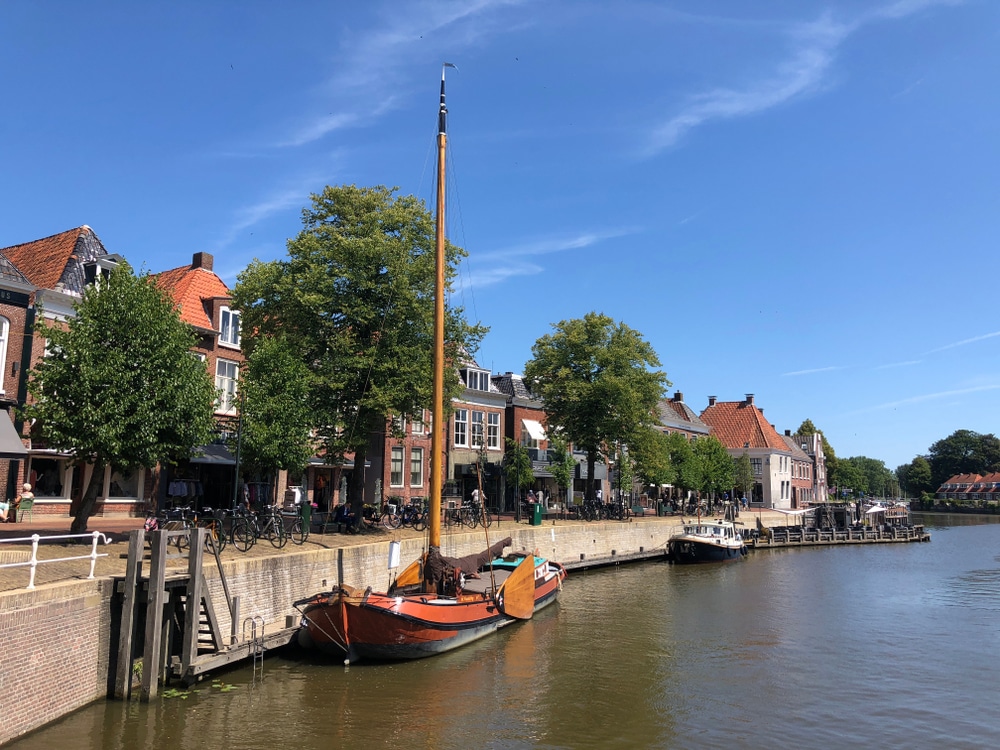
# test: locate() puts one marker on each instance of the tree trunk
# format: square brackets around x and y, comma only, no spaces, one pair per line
[86,510]
[356,484]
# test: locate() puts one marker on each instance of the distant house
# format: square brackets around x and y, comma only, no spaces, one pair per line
[677,417]
[970,488]
[812,446]
[740,426]
[17,316]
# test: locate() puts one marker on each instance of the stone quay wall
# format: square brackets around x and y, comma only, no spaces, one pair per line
[59,637]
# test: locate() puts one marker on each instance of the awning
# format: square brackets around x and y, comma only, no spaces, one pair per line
[215,454]
[535,429]
[796,512]
[10,444]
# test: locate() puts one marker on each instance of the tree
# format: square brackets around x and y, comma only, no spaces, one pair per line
[834,477]
[682,458]
[562,465]
[915,477]
[963,452]
[715,466]
[276,419]
[120,385]
[871,476]
[743,478]
[596,380]
[650,452]
[517,469]
[354,300]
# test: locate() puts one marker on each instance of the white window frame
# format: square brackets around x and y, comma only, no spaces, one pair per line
[417,460]
[417,424]
[229,334]
[461,428]
[4,340]
[396,458]
[477,433]
[227,394]
[493,430]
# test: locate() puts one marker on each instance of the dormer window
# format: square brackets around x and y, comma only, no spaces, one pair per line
[477,380]
[99,269]
[229,328]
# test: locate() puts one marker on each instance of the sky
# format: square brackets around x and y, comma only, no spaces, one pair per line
[791,198]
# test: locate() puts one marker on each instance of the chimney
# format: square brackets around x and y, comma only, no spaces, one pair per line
[749,399]
[711,400]
[679,397]
[202,260]
[788,433]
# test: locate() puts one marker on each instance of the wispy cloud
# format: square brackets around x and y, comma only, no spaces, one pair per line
[496,266]
[244,219]
[813,50]
[907,363]
[928,397]
[811,372]
[963,342]
[373,66]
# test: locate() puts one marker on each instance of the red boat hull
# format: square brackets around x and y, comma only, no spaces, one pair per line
[382,627]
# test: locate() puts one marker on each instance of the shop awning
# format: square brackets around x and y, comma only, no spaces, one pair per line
[11,446]
[534,429]
[215,454]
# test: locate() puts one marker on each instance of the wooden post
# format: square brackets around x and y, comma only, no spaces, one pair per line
[192,606]
[123,673]
[152,665]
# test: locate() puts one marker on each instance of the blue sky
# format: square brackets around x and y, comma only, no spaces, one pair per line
[788,198]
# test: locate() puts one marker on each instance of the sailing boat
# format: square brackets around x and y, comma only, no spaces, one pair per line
[437,603]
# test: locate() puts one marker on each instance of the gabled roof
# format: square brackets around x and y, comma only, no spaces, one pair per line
[740,424]
[57,259]
[514,387]
[191,289]
[674,412]
[794,445]
[10,272]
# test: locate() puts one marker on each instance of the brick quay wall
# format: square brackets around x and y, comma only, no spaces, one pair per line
[60,639]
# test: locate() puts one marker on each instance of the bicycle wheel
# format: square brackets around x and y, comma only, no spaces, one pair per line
[391,520]
[487,518]
[299,531]
[276,533]
[214,538]
[243,535]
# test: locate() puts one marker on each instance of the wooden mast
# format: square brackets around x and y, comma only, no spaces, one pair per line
[439,426]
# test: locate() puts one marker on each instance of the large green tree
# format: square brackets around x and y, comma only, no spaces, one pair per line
[120,385]
[714,466]
[650,452]
[275,416]
[598,381]
[915,477]
[963,452]
[743,478]
[684,462]
[354,300]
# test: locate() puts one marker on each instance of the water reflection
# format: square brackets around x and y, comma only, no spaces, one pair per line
[791,648]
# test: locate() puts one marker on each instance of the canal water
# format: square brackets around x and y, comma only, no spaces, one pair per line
[895,645]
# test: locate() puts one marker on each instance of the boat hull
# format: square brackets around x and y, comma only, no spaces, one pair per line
[381,627]
[686,550]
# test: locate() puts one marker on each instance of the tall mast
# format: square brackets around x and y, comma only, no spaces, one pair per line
[438,423]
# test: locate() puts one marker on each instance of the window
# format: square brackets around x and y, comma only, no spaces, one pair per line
[229,328]
[461,427]
[4,336]
[123,482]
[477,380]
[396,467]
[417,467]
[757,465]
[226,374]
[493,430]
[477,429]
[399,425]
[417,424]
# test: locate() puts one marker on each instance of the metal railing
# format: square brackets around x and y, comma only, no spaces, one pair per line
[34,562]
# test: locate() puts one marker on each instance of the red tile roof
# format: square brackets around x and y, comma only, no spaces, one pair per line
[191,289]
[738,423]
[44,261]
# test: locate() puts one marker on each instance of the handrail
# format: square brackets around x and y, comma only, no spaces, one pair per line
[34,562]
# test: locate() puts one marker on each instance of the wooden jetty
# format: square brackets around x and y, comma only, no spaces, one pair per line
[177,620]
[780,536]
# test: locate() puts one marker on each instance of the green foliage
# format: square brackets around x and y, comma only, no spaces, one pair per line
[354,300]
[563,465]
[120,385]
[650,452]
[868,475]
[597,381]
[274,405]
[915,477]
[683,460]
[714,465]
[963,452]
[517,465]
[743,478]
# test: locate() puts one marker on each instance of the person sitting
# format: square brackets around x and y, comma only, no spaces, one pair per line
[4,509]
